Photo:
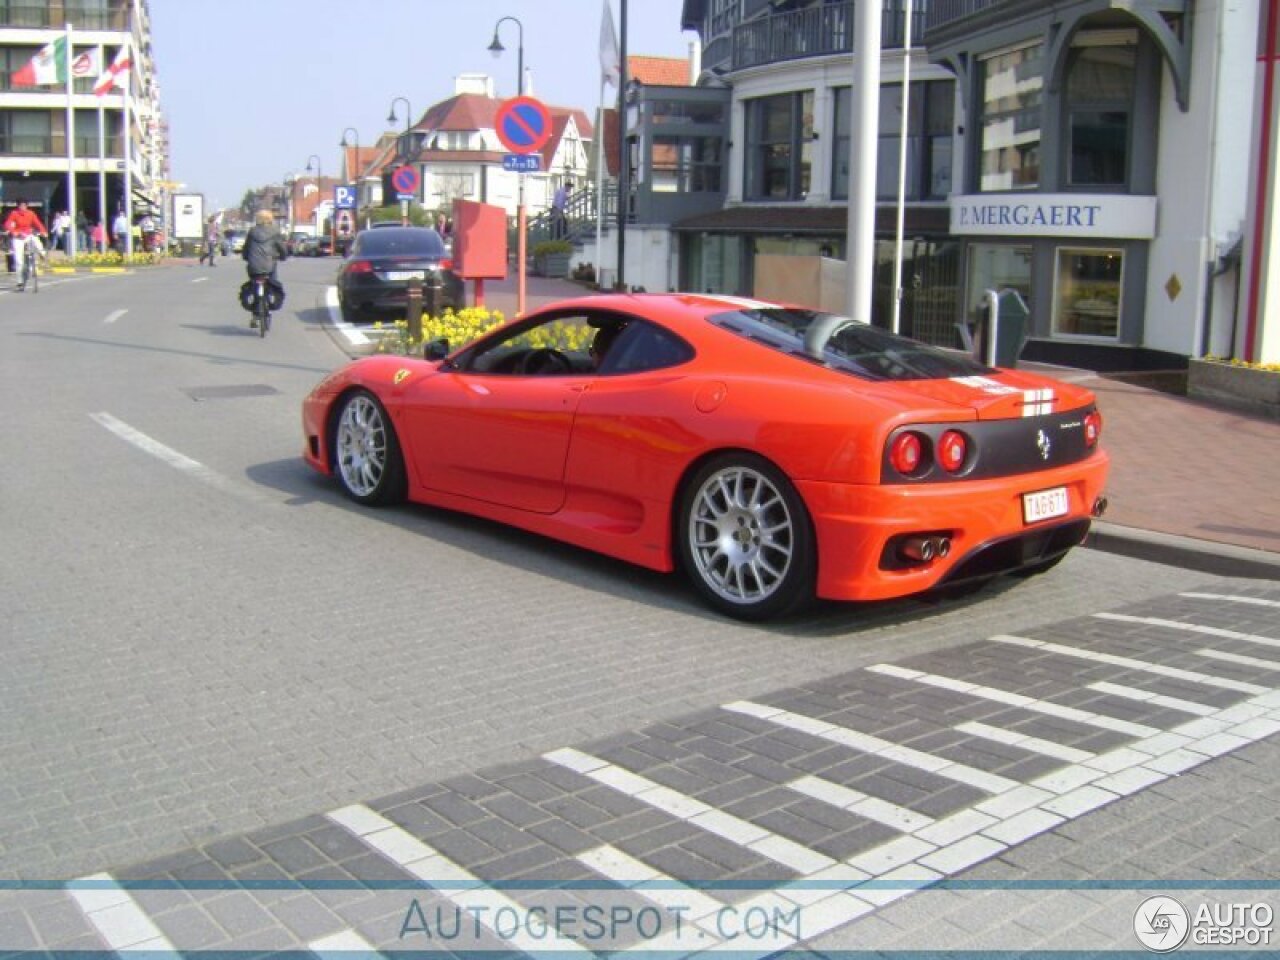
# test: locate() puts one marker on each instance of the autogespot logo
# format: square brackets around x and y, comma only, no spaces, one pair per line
[1161,924]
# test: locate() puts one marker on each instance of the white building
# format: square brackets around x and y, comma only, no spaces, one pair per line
[55,144]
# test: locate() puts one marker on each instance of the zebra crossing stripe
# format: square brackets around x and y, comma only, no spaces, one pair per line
[866,743]
[1129,663]
[1026,703]
[1191,628]
[1146,696]
[1240,659]
[344,945]
[1230,598]
[445,877]
[1046,748]
[116,916]
[764,842]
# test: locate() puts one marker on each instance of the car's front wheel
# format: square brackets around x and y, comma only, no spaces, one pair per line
[745,538]
[366,452]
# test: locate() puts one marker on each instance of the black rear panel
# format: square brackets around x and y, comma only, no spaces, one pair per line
[1000,448]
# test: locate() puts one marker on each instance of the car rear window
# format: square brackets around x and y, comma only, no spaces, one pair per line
[374,243]
[839,343]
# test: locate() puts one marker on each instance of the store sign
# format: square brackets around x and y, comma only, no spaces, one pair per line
[1086,215]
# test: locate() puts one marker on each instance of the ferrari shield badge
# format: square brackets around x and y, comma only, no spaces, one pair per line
[401,374]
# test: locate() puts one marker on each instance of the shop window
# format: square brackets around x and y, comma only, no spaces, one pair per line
[1086,292]
[1012,84]
[1100,92]
[997,266]
[685,164]
[928,176]
[779,146]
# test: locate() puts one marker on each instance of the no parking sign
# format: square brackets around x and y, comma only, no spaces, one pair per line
[523,124]
[406,181]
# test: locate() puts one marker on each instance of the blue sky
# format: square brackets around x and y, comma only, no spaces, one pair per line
[252,88]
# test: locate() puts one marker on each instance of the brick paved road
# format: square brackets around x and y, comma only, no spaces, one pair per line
[1067,752]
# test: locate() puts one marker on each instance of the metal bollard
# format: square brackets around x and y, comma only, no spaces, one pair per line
[433,292]
[413,309]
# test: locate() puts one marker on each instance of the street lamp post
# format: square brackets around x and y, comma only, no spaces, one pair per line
[496,48]
[346,170]
[319,188]
[408,145]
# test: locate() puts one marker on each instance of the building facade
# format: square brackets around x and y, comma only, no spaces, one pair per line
[66,149]
[1093,155]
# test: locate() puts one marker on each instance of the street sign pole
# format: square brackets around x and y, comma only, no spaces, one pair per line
[404,213]
[523,126]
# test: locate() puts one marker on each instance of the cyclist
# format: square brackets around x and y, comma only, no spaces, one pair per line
[263,249]
[24,226]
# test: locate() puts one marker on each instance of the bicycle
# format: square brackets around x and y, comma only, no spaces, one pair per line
[261,305]
[27,265]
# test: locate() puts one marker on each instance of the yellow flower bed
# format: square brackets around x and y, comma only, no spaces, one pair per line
[458,328]
[111,258]
[1270,367]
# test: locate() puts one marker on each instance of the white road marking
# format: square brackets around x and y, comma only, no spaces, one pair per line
[1012,738]
[353,335]
[341,945]
[1146,696]
[114,315]
[444,876]
[176,460]
[199,279]
[856,802]
[764,842]
[1191,628]
[1129,663]
[1239,658]
[1018,700]
[1255,601]
[866,743]
[116,915]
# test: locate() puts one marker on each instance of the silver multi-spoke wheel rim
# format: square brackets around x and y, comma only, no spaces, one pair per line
[741,535]
[362,446]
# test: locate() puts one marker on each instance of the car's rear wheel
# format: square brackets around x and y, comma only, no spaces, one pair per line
[366,452]
[745,538]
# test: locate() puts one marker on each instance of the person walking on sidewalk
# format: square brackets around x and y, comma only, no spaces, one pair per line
[210,241]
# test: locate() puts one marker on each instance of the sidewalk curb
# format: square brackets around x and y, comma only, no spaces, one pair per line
[1206,556]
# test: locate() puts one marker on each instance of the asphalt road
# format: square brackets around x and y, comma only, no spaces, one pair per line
[203,640]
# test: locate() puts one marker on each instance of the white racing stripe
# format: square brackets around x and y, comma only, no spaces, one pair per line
[353,335]
[116,915]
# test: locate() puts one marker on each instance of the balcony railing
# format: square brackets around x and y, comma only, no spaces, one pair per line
[945,11]
[44,15]
[818,31]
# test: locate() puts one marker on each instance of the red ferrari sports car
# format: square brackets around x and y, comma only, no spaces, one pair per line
[772,453]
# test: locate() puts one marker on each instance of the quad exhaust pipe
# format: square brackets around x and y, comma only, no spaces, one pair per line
[922,549]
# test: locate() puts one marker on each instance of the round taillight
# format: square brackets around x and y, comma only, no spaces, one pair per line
[1092,428]
[906,453]
[952,451]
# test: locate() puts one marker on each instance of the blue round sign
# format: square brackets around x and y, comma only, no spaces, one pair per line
[405,179]
[523,124]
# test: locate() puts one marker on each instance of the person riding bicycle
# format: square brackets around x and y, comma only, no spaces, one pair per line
[23,225]
[263,249]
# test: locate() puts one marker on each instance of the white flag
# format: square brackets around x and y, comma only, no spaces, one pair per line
[86,65]
[116,75]
[610,62]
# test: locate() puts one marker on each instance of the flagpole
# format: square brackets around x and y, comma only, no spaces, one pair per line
[600,181]
[71,135]
[128,172]
[902,169]
[102,173]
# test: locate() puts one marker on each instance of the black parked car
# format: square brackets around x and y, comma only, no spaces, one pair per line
[375,276]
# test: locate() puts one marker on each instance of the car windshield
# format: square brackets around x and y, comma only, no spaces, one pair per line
[839,343]
[377,243]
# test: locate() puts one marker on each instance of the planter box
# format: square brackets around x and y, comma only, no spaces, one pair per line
[1243,388]
[552,265]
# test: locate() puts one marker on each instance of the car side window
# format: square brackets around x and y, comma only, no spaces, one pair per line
[643,346]
[557,346]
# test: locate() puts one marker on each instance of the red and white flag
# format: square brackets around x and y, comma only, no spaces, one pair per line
[47,67]
[116,75]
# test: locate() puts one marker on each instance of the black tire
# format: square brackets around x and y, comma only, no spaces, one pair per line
[745,539]
[349,314]
[366,452]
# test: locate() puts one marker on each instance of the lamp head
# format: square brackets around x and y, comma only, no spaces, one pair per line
[496,48]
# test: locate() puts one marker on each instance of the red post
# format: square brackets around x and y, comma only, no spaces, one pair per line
[478,300]
[520,252]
